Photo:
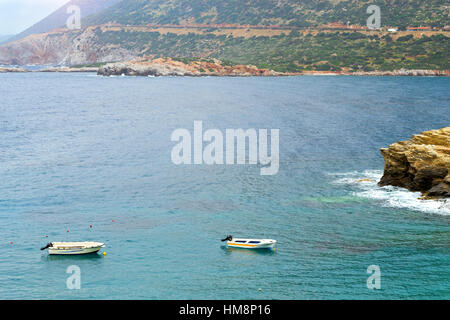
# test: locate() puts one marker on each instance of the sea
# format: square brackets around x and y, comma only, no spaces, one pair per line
[88,158]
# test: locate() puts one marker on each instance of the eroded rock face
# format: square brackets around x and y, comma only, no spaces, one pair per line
[420,164]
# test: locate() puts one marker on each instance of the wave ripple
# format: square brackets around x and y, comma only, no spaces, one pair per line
[364,184]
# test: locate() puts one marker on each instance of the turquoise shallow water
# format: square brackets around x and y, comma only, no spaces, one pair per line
[77,149]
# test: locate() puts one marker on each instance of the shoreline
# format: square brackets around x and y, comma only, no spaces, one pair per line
[394,73]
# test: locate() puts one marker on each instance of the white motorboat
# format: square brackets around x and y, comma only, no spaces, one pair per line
[250,243]
[72,248]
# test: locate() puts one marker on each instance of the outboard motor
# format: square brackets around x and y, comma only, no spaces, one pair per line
[49,245]
[229,238]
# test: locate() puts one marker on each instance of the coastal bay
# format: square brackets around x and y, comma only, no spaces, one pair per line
[80,150]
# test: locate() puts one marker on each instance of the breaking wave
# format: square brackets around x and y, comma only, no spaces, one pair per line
[364,184]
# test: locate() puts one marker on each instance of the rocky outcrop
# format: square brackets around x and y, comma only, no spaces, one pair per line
[5,70]
[420,164]
[170,67]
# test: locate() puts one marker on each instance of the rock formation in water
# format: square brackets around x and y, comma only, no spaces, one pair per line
[170,67]
[420,164]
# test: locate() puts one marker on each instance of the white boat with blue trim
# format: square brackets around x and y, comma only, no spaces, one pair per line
[73,248]
[250,243]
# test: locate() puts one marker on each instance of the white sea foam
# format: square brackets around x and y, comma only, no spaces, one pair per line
[365,185]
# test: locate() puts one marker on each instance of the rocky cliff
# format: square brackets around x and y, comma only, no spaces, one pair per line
[420,164]
[170,67]
[64,47]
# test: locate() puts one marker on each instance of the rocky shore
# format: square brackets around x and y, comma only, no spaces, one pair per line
[69,69]
[171,67]
[52,69]
[420,164]
[404,72]
[5,70]
[395,73]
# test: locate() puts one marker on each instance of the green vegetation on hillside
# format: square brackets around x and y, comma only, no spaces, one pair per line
[90,65]
[300,13]
[331,51]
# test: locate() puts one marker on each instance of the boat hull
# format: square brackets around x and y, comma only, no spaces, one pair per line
[73,251]
[269,245]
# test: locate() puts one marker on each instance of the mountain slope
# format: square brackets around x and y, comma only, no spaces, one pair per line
[58,18]
[300,13]
[288,51]
[4,38]
[280,49]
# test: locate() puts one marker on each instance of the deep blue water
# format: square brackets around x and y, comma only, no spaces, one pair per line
[77,149]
